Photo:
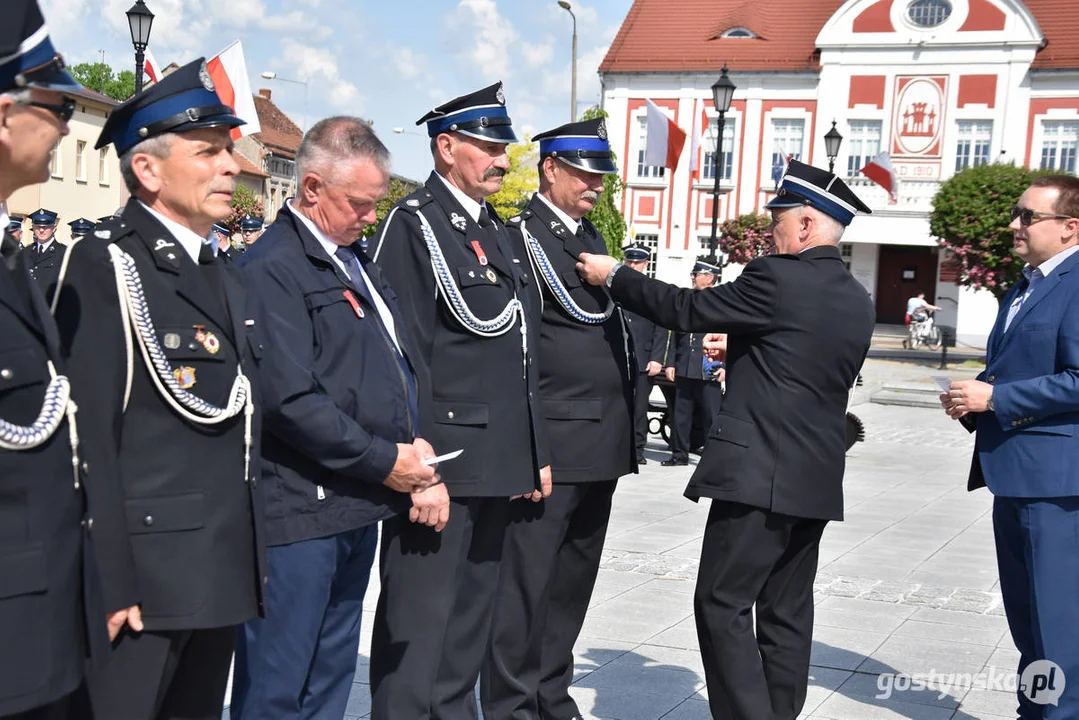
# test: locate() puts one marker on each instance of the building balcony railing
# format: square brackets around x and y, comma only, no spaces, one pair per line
[915,196]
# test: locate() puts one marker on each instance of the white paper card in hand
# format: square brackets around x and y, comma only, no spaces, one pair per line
[442,458]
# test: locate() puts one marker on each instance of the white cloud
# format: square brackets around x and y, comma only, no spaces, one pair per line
[411,65]
[536,55]
[490,33]
[319,67]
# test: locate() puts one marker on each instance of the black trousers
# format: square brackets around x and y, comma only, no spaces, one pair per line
[552,556]
[640,410]
[434,612]
[754,556]
[163,675]
[692,398]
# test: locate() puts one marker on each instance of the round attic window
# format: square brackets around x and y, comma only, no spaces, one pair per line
[929,13]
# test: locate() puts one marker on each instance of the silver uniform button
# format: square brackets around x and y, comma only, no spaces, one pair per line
[148,520]
[450,415]
[6,374]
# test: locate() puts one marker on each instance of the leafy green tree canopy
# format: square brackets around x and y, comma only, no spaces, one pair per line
[102,78]
[970,217]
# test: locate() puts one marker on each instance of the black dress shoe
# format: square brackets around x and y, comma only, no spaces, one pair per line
[642,461]
[674,461]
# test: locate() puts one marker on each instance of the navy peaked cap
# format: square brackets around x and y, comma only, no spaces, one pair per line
[183,100]
[27,56]
[481,114]
[580,144]
[807,185]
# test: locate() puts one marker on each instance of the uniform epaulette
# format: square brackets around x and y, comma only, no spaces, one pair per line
[111,230]
[516,219]
[422,196]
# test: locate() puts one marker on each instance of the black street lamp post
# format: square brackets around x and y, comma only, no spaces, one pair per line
[722,94]
[139,19]
[832,141]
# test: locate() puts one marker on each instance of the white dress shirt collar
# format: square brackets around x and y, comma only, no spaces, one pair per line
[189,239]
[1047,267]
[571,224]
[469,205]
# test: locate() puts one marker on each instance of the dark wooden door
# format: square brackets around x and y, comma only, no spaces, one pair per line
[903,271]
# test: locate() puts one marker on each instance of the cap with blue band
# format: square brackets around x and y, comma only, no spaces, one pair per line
[27,56]
[805,185]
[481,114]
[582,145]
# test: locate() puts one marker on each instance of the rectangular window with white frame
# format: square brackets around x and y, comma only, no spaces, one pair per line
[643,170]
[103,166]
[726,164]
[1059,141]
[863,145]
[80,160]
[972,146]
[55,168]
[788,140]
[651,240]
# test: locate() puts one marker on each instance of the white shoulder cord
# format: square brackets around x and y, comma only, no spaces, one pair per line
[57,405]
[134,312]
[542,266]
[496,326]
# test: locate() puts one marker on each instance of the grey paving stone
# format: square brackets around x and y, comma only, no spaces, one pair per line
[959,633]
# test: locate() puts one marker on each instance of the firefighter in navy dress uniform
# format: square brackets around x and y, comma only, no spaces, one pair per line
[46,254]
[462,293]
[80,228]
[587,380]
[52,612]
[145,295]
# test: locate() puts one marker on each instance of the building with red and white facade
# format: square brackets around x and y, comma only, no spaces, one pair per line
[939,84]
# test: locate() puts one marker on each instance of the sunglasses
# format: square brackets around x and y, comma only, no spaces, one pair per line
[1028,217]
[63,111]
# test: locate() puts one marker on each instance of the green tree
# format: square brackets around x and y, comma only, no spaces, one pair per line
[605,214]
[970,217]
[99,76]
[244,202]
[745,237]
[520,181]
[399,189]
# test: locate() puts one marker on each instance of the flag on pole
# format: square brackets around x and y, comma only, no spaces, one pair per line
[150,68]
[779,168]
[665,140]
[700,122]
[880,171]
[228,70]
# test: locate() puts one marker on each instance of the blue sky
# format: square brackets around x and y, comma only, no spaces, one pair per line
[388,60]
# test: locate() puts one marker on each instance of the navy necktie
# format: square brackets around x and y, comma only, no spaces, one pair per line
[352,263]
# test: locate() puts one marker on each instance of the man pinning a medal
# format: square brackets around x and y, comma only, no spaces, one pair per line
[587,379]
[462,292]
[176,398]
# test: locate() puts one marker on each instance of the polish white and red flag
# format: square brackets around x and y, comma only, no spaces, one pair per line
[228,70]
[150,68]
[664,139]
[700,122]
[881,171]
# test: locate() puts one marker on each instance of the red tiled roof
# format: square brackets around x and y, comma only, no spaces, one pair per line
[659,35]
[94,95]
[277,132]
[680,35]
[1059,20]
[247,167]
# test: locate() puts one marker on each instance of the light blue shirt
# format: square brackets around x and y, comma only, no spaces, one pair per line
[1034,275]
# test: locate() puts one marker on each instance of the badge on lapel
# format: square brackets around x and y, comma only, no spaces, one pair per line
[167,251]
[557,228]
[491,275]
[458,222]
[185,376]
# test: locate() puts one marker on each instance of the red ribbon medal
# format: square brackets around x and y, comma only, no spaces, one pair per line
[480,254]
[354,303]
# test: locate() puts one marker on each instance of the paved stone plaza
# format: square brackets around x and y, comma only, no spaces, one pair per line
[907,586]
